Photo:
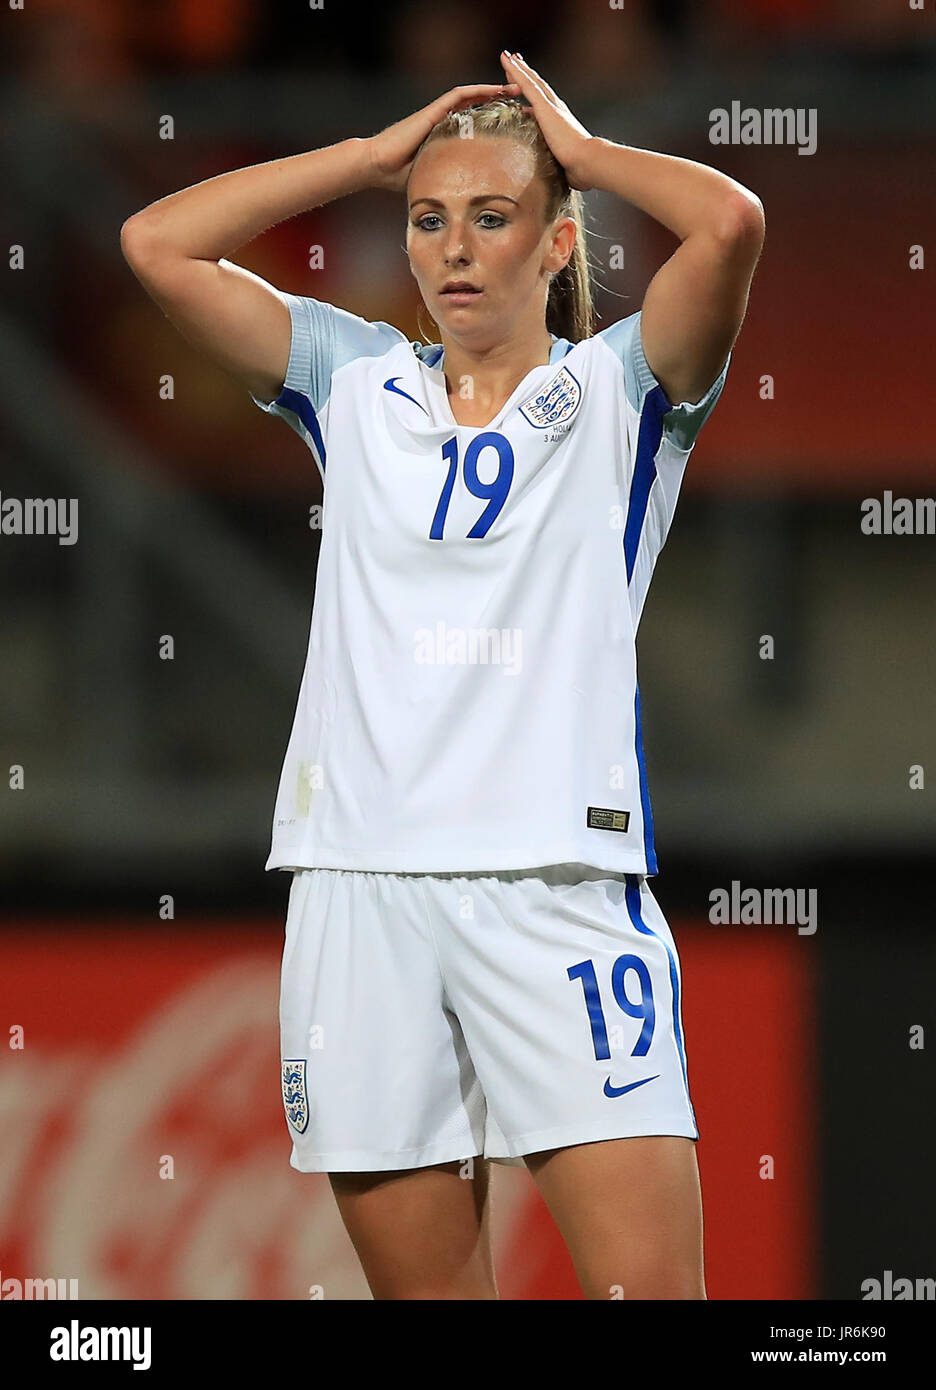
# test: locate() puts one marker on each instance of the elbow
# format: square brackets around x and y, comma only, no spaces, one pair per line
[137,239]
[742,222]
[130,237]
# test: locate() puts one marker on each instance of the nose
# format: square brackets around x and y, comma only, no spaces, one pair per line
[456,250]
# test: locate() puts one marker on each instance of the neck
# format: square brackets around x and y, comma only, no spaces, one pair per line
[496,370]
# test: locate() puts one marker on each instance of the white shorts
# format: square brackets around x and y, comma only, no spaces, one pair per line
[432,1017]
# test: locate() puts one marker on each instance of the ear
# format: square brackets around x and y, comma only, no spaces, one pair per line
[563,244]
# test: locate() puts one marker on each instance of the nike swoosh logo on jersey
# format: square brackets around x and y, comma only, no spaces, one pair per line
[612,1091]
[389,386]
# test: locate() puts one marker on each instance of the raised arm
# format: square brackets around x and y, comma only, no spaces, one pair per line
[178,247]
[695,304]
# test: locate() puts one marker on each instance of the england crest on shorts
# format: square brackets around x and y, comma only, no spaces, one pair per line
[555,405]
[295,1095]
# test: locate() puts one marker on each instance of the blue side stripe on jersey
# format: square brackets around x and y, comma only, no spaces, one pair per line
[656,406]
[647,813]
[632,898]
[301,405]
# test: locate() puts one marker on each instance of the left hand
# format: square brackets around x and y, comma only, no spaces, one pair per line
[566,137]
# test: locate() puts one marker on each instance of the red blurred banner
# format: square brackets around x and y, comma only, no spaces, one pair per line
[150,1052]
[837,328]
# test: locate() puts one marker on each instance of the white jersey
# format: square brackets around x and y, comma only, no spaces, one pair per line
[469,699]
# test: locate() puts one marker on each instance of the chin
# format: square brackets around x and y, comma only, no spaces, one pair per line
[466,320]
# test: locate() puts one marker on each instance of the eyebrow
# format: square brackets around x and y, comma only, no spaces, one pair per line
[481,198]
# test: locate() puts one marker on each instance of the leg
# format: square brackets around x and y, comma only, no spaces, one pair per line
[421,1233]
[630,1213]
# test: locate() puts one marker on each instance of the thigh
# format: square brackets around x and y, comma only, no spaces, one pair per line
[630,1213]
[422,1233]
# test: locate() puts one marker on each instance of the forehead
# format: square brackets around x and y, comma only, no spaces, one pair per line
[456,170]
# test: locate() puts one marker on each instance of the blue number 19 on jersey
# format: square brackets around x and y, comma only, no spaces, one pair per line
[495,491]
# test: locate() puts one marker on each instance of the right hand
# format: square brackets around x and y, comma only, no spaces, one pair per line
[393,150]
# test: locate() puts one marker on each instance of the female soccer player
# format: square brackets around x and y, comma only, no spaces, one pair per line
[475,967]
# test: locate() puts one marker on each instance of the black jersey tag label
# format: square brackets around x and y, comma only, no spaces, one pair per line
[602,818]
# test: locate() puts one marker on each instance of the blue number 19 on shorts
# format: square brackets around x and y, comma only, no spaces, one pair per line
[585,971]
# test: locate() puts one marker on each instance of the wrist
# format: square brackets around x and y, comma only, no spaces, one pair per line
[364,151]
[359,153]
[584,173]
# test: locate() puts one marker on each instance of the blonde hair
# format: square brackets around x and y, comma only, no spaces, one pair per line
[570,309]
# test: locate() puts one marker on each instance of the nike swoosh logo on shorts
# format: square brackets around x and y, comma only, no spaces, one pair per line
[612,1091]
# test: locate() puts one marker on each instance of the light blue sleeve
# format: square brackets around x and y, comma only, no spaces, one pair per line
[684,420]
[323,339]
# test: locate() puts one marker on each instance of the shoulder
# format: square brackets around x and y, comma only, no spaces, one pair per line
[682,419]
[340,328]
[622,339]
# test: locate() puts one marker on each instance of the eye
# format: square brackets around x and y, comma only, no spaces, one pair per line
[433,216]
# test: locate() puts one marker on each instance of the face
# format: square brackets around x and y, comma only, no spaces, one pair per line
[476,213]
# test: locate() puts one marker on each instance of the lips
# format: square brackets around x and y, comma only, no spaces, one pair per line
[460,287]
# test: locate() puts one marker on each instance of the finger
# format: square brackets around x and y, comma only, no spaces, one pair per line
[480,87]
[475,96]
[518,75]
[470,101]
[457,94]
[527,83]
[534,78]
[511,66]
